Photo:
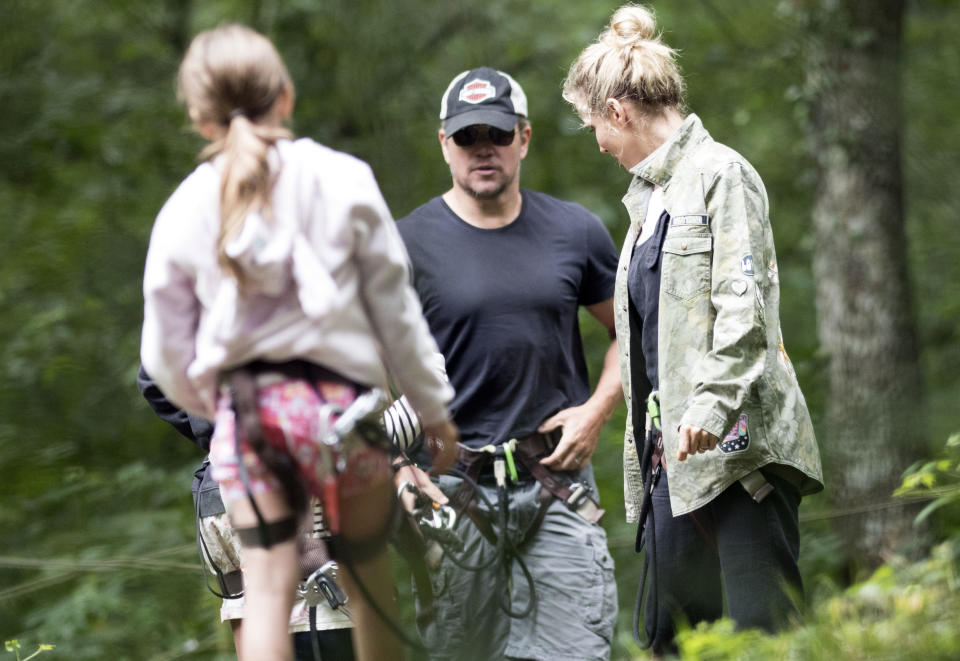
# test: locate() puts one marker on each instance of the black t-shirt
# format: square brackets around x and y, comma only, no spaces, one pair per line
[503,307]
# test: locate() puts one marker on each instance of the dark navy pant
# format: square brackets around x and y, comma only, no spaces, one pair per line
[335,645]
[731,550]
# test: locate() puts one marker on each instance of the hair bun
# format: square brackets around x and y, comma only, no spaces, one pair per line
[633,24]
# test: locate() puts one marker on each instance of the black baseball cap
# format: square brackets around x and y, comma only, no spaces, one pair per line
[482,96]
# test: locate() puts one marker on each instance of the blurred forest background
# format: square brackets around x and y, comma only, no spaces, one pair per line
[847,108]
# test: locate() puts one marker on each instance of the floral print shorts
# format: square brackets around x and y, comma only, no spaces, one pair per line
[290,419]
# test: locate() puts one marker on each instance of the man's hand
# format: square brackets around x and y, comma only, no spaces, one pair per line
[441,440]
[581,430]
[582,424]
[694,440]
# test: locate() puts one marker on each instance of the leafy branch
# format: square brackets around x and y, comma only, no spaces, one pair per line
[939,478]
[14,646]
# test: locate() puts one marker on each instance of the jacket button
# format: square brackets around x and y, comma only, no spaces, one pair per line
[683,246]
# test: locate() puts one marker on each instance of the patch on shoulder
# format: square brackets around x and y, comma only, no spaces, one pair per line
[738,438]
[746,264]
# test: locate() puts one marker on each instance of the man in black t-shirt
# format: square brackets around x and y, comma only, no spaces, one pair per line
[502,272]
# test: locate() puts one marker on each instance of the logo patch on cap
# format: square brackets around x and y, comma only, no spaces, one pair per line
[477,91]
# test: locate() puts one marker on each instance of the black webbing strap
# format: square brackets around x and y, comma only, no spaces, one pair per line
[650,453]
[473,463]
[412,547]
[266,535]
[530,451]
[243,395]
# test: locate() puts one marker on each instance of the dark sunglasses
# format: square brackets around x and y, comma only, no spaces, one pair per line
[468,136]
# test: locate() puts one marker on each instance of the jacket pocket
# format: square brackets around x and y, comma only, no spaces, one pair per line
[686,266]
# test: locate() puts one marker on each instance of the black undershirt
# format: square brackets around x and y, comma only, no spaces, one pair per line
[643,287]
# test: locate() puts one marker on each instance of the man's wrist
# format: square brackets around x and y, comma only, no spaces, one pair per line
[602,406]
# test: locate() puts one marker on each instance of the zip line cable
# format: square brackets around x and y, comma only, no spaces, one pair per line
[820,515]
[70,567]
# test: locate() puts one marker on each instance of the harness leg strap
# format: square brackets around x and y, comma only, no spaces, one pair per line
[268,534]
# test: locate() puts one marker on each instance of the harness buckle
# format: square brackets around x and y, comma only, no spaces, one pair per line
[579,491]
[324,587]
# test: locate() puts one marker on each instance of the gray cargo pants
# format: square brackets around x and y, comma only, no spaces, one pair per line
[576,596]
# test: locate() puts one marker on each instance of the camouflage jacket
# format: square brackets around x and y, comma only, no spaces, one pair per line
[722,365]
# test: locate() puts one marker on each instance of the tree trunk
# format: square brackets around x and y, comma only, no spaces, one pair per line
[866,321]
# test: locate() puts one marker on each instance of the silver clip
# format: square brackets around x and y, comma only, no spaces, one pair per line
[579,492]
[443,517]
[321,586]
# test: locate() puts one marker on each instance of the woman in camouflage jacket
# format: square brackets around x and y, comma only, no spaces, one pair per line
[697,304]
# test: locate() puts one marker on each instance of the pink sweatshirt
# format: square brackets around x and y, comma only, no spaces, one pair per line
[327,281]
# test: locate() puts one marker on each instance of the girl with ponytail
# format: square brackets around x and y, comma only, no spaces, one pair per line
[278,260]
[715,471]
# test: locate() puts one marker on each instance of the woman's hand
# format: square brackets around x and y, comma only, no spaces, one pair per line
[694,440]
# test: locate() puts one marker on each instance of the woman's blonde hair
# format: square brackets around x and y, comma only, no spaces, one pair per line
[232,76]
[628,61]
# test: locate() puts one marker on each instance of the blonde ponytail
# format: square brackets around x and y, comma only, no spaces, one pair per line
[233,77]
[246,183]
[628,61]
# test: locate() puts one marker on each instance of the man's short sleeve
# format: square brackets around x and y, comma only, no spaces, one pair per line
[601,263]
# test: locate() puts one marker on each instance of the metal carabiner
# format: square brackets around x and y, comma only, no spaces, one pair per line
[324,587]
[653,408]
[443,517]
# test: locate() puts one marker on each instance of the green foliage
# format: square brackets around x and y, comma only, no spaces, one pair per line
[904,611]
[96,529]
[13,646]
[938,479]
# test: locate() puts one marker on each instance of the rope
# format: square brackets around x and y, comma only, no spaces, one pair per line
[189,650]
[69,568]
[148,562]
[853,510]
[153,562]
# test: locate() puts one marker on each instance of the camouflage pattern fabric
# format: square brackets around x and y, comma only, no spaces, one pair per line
[722,365]
[226,553]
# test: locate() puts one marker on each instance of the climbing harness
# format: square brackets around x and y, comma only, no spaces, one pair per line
[343,432]
[504,460]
